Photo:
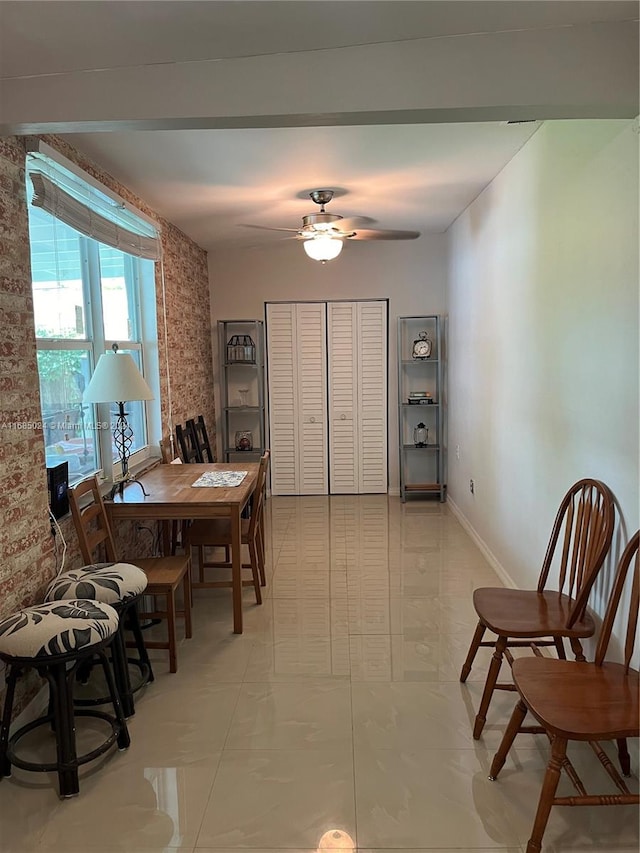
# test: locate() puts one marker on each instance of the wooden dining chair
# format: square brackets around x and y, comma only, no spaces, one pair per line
[187,442]
[213,533]
[577,701]
[580,539]
[165,575]
[201,438]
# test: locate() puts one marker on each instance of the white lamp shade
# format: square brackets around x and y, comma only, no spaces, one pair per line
[116,379]
[323,248]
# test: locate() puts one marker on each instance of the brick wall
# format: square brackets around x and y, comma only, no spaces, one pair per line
[27,560]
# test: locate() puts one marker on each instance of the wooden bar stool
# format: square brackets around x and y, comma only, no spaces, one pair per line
[121,585]
[55,639]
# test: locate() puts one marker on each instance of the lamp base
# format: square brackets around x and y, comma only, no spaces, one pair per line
[119,487]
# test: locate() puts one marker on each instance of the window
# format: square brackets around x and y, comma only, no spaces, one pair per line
[88,295]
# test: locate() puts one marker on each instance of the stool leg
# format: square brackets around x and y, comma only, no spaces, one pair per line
[124,740]
[12,677]
[121,671]
[134,625]
[62,692]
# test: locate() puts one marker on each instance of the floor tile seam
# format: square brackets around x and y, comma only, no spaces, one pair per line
[206,806]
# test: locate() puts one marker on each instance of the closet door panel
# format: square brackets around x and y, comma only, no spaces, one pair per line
[343,414]
[283,426]
[372,402]
[311,381]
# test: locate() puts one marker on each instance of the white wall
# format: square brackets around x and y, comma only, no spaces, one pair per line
[543,338]
[411,274]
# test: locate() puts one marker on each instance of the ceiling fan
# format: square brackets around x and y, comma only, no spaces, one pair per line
[323,234]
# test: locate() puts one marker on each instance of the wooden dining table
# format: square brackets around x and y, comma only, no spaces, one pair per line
[171,495]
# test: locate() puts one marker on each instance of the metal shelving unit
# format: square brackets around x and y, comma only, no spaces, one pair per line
[421,467]
[242,387]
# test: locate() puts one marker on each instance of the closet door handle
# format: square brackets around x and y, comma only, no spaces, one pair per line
[312,420]
[343,417]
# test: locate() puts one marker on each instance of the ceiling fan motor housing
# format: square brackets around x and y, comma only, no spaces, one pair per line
[319,221]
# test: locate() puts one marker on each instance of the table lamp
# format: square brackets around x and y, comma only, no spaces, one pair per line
[116,379]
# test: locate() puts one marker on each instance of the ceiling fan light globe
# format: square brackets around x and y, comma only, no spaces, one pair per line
[323,248]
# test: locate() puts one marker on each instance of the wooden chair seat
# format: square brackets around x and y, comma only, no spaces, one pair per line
[580,701]
[528,613]
[579,542]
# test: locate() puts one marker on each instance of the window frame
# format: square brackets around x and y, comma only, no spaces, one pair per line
[139,277]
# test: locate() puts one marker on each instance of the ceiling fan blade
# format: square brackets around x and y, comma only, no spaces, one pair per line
[371,234]
[268,228]
[350,223]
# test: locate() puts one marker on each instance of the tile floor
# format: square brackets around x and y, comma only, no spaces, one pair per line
[335,722]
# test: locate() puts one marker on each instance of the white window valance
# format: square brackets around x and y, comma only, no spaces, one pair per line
[93,213]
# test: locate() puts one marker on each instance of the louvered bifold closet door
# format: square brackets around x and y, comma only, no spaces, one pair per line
[372,403]
[311,370]
[283,405]
[342,331]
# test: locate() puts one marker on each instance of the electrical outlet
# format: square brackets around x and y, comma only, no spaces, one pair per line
[457,451]
[472,487]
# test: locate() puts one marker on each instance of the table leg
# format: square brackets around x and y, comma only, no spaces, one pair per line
[236,568]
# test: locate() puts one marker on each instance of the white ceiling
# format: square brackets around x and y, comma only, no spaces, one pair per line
[211,182]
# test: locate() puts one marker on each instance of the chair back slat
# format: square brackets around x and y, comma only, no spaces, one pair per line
[167,449]
[201,438]
[187,443]
[629,557]
[258,494]
[84,517]
[584,523]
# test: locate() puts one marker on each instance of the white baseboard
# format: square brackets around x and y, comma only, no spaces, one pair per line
[490,557]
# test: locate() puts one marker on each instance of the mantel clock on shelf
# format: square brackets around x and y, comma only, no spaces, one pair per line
[421,346]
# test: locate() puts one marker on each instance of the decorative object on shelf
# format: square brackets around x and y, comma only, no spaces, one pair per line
[244,440]
[420,397]
[421,346]
[241,349]
[421,435]
[243,397]
[117,379]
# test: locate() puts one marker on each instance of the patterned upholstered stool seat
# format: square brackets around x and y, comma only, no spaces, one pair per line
[54,639]
[120,585]
[110,583]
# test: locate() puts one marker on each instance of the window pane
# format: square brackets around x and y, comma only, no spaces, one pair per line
[56,268]
[118,295]
[70,428]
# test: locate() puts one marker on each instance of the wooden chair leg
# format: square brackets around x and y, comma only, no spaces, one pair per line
[624,757]
[259,546]
[517,718]
[473,649]
[576,648]
[201,562]
[253,561]
[547,795]
[171,627]
[560,648]
[489,686]
[187,605]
